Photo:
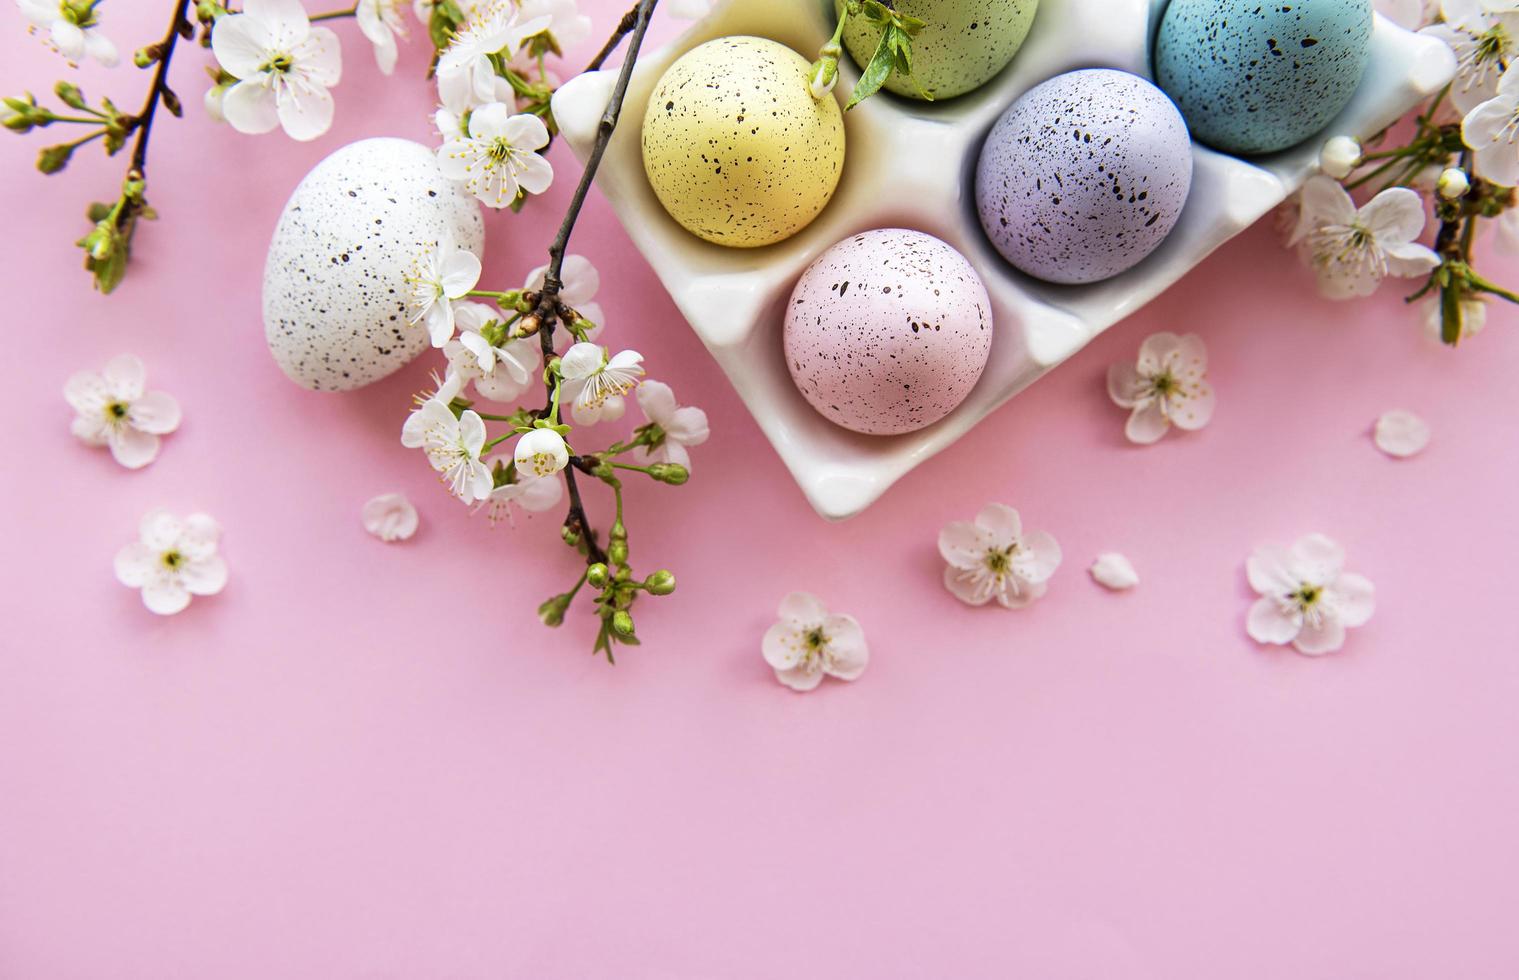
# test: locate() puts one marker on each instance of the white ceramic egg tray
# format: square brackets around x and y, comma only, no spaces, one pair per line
[910,164]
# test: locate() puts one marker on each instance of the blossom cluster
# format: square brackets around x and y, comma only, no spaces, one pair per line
[1461,163]
[498,347]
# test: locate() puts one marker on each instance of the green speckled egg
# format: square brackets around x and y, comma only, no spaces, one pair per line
[736,148]
[962,46]
[1253,77]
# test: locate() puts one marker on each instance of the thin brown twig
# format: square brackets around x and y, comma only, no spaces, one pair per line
[144,125]
[636,22]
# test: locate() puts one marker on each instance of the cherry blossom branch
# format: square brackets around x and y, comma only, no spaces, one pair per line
[549,309]
[179,27]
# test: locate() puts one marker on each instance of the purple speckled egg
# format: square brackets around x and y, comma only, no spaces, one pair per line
[887,331]
[1084,175]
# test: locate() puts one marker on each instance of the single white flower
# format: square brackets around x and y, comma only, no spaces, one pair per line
[284,66]
[1411,15]
[579,283]
[533,494]
[808,643]
[1166,386]
[500,373]
[1492,131]
[1485,36]
[1306,599]
[466,77]
[541,453]
[440,276]
[595,383]
[689,9]
[1453,184]
[381,21]
[993,558]
[497,159]
[73,29]
[390,517]
[173,560]
[453,445]
[566,23]
[1401,434]
[1473,316]
[1352,250]
[673,428]
[1339,157]
[113,408]
[1114,572]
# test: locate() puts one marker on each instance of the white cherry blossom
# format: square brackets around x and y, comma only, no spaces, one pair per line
[673,427]
[595,383]
[381,21]
[453,445]
[441,276]
[173,560]
[565,21]
[1306,599]
[284,66]
[809,643]
[1492,131]
[541,453]
[500,373]
[390,517]
[498,158]
[113,408]
[1352,250]
[466,77]
[1485,36]
[1410,15]
[579,283]
[1166,386]
[532,494]
[992,557]
[1339,156]
[72,29]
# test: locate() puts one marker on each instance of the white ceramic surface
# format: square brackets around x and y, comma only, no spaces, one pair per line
[910,164]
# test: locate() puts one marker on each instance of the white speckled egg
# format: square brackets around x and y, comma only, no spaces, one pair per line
[962,46]
[888,331]
[335,314]
[1084,175]
[736,148]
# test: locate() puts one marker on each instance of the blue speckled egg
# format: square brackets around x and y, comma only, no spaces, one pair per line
[1084,175]
[1254,77]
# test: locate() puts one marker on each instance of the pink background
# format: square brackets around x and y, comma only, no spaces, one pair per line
[371,761]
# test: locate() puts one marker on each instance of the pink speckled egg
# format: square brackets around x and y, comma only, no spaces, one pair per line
[887,331]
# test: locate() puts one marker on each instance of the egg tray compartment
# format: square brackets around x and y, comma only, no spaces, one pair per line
[911,164]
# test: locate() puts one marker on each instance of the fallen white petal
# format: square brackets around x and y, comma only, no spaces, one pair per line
[390,517]
[1401,434]
[1113,571]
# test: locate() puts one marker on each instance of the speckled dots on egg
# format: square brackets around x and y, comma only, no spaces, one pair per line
[736,149]
[963,43]
[335,315]
[888,331]
[1084,176]
[1256,78]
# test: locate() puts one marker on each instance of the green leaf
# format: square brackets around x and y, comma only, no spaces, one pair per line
[875,73]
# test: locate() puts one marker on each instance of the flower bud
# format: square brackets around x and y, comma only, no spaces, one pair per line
[570,534]
[143,57]
[69,93]
[597,575]
[671,473]
[622,623]
[617,551]
[19,123]
[823,77]
[100,242]
[552,611]
[54,158]
[661,582]
[1339,157]
[1453,184]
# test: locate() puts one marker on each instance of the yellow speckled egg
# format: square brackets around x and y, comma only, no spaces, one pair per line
[736,148]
